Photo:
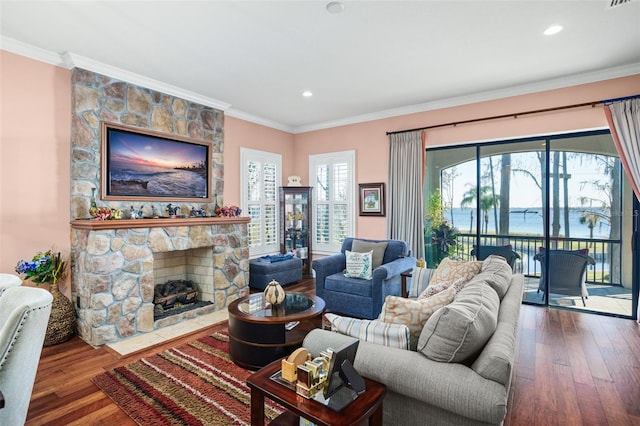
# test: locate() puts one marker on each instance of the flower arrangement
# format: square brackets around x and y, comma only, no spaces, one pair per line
[230,211]
[105,213]
[44,267]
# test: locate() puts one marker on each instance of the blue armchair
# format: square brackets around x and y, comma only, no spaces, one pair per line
[357,297]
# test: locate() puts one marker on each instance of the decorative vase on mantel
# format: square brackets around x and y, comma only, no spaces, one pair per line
[62,322]
[217,209]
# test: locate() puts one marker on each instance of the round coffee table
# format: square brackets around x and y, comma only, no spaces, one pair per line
[260,333]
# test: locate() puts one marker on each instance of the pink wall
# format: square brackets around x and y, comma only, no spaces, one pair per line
[34,158]
[34,146]
[239,133]
[372,144]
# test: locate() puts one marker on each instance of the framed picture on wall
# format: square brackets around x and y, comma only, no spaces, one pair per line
[140,164]
[372,199]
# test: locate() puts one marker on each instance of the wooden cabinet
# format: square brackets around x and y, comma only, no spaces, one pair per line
[296,224]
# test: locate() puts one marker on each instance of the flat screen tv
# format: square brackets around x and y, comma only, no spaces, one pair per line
[140,164]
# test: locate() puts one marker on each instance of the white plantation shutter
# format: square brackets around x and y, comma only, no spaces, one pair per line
[341,185]
[259,177]
[322,224]
[270,193]
[341,225]
[321,190]
[332,176]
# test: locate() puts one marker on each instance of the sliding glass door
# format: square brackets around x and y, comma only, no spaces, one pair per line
[560,203]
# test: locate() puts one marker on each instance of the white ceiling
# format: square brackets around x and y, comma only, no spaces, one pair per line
[375,59]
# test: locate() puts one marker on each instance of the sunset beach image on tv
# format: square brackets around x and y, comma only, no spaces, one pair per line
[150,165]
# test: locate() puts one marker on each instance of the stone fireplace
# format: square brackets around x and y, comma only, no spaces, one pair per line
[114,262]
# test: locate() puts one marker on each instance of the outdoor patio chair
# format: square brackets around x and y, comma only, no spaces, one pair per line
[482,252]
[567,272]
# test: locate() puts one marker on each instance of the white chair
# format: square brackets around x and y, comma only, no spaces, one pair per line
[24,314]
[9,280]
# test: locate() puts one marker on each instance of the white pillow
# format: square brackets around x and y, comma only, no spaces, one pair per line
[358,265]
[374,331]
[437,288]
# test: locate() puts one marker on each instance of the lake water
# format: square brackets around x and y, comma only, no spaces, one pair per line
[529,221]
[163,181]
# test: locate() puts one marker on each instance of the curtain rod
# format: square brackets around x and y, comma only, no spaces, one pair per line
[496,117]
[626,98]
[514,115]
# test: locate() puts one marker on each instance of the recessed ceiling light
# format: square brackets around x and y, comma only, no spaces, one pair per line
[335,7]
[553,29]
[307,94]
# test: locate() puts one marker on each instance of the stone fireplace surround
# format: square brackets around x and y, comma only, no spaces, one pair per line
[112,262]
[113,270]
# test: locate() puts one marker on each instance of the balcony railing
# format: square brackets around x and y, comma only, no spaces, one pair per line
[528,246]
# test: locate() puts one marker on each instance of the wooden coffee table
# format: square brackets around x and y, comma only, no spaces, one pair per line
[258,332]
[368,405]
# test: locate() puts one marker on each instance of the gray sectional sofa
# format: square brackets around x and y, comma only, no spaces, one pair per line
[422,391]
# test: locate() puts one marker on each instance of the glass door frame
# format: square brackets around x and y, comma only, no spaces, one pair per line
[635,263]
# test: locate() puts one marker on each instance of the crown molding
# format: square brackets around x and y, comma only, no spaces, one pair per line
[33,52]
[525,89]
[241,115]
[69,60]
[72,60]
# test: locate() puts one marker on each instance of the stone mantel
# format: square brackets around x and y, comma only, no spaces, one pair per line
[98,225]
[113,264]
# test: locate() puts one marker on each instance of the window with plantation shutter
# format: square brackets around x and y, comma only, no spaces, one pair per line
[259,177]
[332,176]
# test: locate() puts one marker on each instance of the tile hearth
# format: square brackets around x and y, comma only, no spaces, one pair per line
[144,341]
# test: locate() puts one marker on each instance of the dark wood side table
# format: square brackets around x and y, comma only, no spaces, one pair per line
[258,332]
[403,281]
[367,406]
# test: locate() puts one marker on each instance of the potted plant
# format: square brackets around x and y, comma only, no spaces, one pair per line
[49,267]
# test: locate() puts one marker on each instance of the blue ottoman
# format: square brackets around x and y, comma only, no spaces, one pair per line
[261,272]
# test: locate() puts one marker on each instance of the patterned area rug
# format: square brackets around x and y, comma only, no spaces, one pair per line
[194,384]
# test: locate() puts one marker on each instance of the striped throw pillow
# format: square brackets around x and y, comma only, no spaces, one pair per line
[374,331]
[419,280]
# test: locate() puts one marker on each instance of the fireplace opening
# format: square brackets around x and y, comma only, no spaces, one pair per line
[183,281]
[175,297]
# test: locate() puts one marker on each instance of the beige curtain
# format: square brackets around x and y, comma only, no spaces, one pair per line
[624,121]
[405,205]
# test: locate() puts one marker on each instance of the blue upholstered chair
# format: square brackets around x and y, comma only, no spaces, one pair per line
[358,297]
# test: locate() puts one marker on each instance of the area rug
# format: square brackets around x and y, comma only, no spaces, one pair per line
[193,384]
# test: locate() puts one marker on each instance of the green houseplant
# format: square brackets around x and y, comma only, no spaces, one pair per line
[440,237]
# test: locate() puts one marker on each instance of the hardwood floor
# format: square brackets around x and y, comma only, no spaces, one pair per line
[572,369]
